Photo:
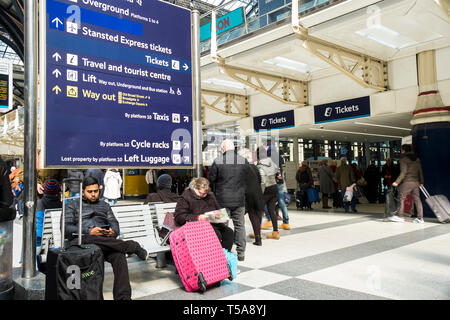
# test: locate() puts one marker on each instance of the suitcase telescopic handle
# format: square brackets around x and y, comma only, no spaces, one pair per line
[425,192]
[63,227]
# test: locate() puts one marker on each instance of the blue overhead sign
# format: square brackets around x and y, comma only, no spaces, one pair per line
[224,23]
[118,84]
[281,120]
[342,110]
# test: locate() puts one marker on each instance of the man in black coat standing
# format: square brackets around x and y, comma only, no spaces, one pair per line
[227,174]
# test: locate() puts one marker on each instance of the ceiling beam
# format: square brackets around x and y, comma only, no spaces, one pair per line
[367,71]
[228,104]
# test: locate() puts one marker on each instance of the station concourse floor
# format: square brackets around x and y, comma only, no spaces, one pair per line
[327,255]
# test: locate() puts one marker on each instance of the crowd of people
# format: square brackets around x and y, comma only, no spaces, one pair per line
[235,182]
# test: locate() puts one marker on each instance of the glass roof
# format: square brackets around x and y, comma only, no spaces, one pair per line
[8,55]
[232,4]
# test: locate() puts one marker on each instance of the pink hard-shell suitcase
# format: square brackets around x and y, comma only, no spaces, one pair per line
[198,256]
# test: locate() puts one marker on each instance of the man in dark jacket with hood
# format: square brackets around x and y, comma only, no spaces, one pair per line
[409,181]
[100,227]
[227,174]
[164,193]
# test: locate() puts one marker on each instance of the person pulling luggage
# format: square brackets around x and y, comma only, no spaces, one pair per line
[409,181]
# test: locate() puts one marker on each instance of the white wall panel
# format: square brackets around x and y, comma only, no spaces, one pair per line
[261,104]
[402,73]
[335,88]
[443,63]
[444,90]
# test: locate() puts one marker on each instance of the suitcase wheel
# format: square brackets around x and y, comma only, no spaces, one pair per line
[201,282]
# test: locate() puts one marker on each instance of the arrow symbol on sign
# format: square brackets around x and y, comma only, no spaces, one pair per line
[56,89]
[57,73]
[185,67]
[57,21]
[56,56]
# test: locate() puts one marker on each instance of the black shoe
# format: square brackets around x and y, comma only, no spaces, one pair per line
[241,258]
[257,241]
[141,253]
[355,210]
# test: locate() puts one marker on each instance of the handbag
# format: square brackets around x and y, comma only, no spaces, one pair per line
[348,194]
[313,195]
[168,226]
[356,192]
[287,198]
[278,177]
[232,262]
[362,182]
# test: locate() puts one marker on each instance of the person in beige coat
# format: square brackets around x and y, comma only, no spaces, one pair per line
[345,177]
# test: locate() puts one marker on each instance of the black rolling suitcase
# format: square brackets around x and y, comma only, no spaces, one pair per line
[75,272]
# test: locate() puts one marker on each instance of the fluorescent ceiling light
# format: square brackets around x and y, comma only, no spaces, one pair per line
[225,83]
[358,133]
[381,126]
[288,64]
[386,36]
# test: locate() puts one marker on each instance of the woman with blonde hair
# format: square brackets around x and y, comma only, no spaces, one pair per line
[195,202]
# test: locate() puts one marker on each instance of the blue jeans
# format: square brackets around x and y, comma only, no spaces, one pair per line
[353,202]
[281,204]
[111,202]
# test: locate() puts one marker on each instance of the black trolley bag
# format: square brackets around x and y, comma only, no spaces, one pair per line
[75,272]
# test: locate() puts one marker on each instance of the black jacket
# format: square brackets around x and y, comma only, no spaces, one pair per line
[190,206]
[162,195]
[95,214]
[227,176]
[74,186]
[7,211]
[253,193]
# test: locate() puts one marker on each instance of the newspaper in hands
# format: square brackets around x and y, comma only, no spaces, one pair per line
[217,216]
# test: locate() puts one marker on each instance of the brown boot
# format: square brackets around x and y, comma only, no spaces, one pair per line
[285,226]
[267,225]
[275,235]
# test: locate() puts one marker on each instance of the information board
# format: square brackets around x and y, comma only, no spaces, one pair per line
[6,88]
[118,84]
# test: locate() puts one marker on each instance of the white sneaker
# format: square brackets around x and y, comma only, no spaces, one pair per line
[417,220]
[396,219]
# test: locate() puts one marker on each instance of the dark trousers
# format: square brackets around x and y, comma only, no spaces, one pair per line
[270,198]
[225,235]
[114,251]
[255,218]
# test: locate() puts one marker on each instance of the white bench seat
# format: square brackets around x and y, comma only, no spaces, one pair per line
[135,223]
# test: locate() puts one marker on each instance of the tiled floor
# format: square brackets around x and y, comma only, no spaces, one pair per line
[325,256]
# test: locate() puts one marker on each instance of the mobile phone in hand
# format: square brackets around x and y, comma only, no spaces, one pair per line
[105,226]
